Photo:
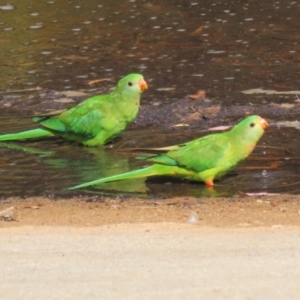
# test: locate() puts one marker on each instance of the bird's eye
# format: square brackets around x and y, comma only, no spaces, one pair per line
[252,124]
[130,83]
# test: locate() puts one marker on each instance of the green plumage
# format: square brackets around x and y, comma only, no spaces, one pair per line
[203,159]
[95,121]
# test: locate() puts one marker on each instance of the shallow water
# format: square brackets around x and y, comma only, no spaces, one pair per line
[49,167]
[224,48]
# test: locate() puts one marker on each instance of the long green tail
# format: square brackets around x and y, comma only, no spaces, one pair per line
[153,170]
[29,134]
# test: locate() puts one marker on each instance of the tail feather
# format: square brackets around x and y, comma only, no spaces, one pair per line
[29,134]
[153,170]
[162,149]
[155,150]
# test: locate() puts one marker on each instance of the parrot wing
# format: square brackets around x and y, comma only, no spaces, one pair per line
[90,117]
[85,119]
[204,153]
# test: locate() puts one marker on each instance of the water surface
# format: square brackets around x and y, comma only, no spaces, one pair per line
[51,51]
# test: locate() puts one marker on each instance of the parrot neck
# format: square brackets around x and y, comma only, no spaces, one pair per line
[243,141]
[128,104]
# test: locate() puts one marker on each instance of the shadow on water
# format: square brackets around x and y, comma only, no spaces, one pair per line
[245,55]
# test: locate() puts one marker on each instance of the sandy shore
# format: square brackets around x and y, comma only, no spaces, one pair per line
[233,248]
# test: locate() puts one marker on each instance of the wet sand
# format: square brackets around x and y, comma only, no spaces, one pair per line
[239,211]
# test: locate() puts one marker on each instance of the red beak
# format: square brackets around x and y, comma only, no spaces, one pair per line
[264,124]
[143,85]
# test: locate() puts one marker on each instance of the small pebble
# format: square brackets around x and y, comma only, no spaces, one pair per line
[193,218]
[277,226]
[8,214]
[244,224]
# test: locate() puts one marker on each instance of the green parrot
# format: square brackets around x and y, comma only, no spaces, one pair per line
[96,120]
[204,159]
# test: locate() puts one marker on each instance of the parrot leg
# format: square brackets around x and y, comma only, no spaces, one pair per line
[209,182]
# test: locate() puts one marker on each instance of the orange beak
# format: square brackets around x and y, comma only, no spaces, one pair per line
[263,123]
[143,85]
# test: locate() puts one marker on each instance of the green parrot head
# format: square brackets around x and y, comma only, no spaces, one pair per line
[250,129]
[132,83]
